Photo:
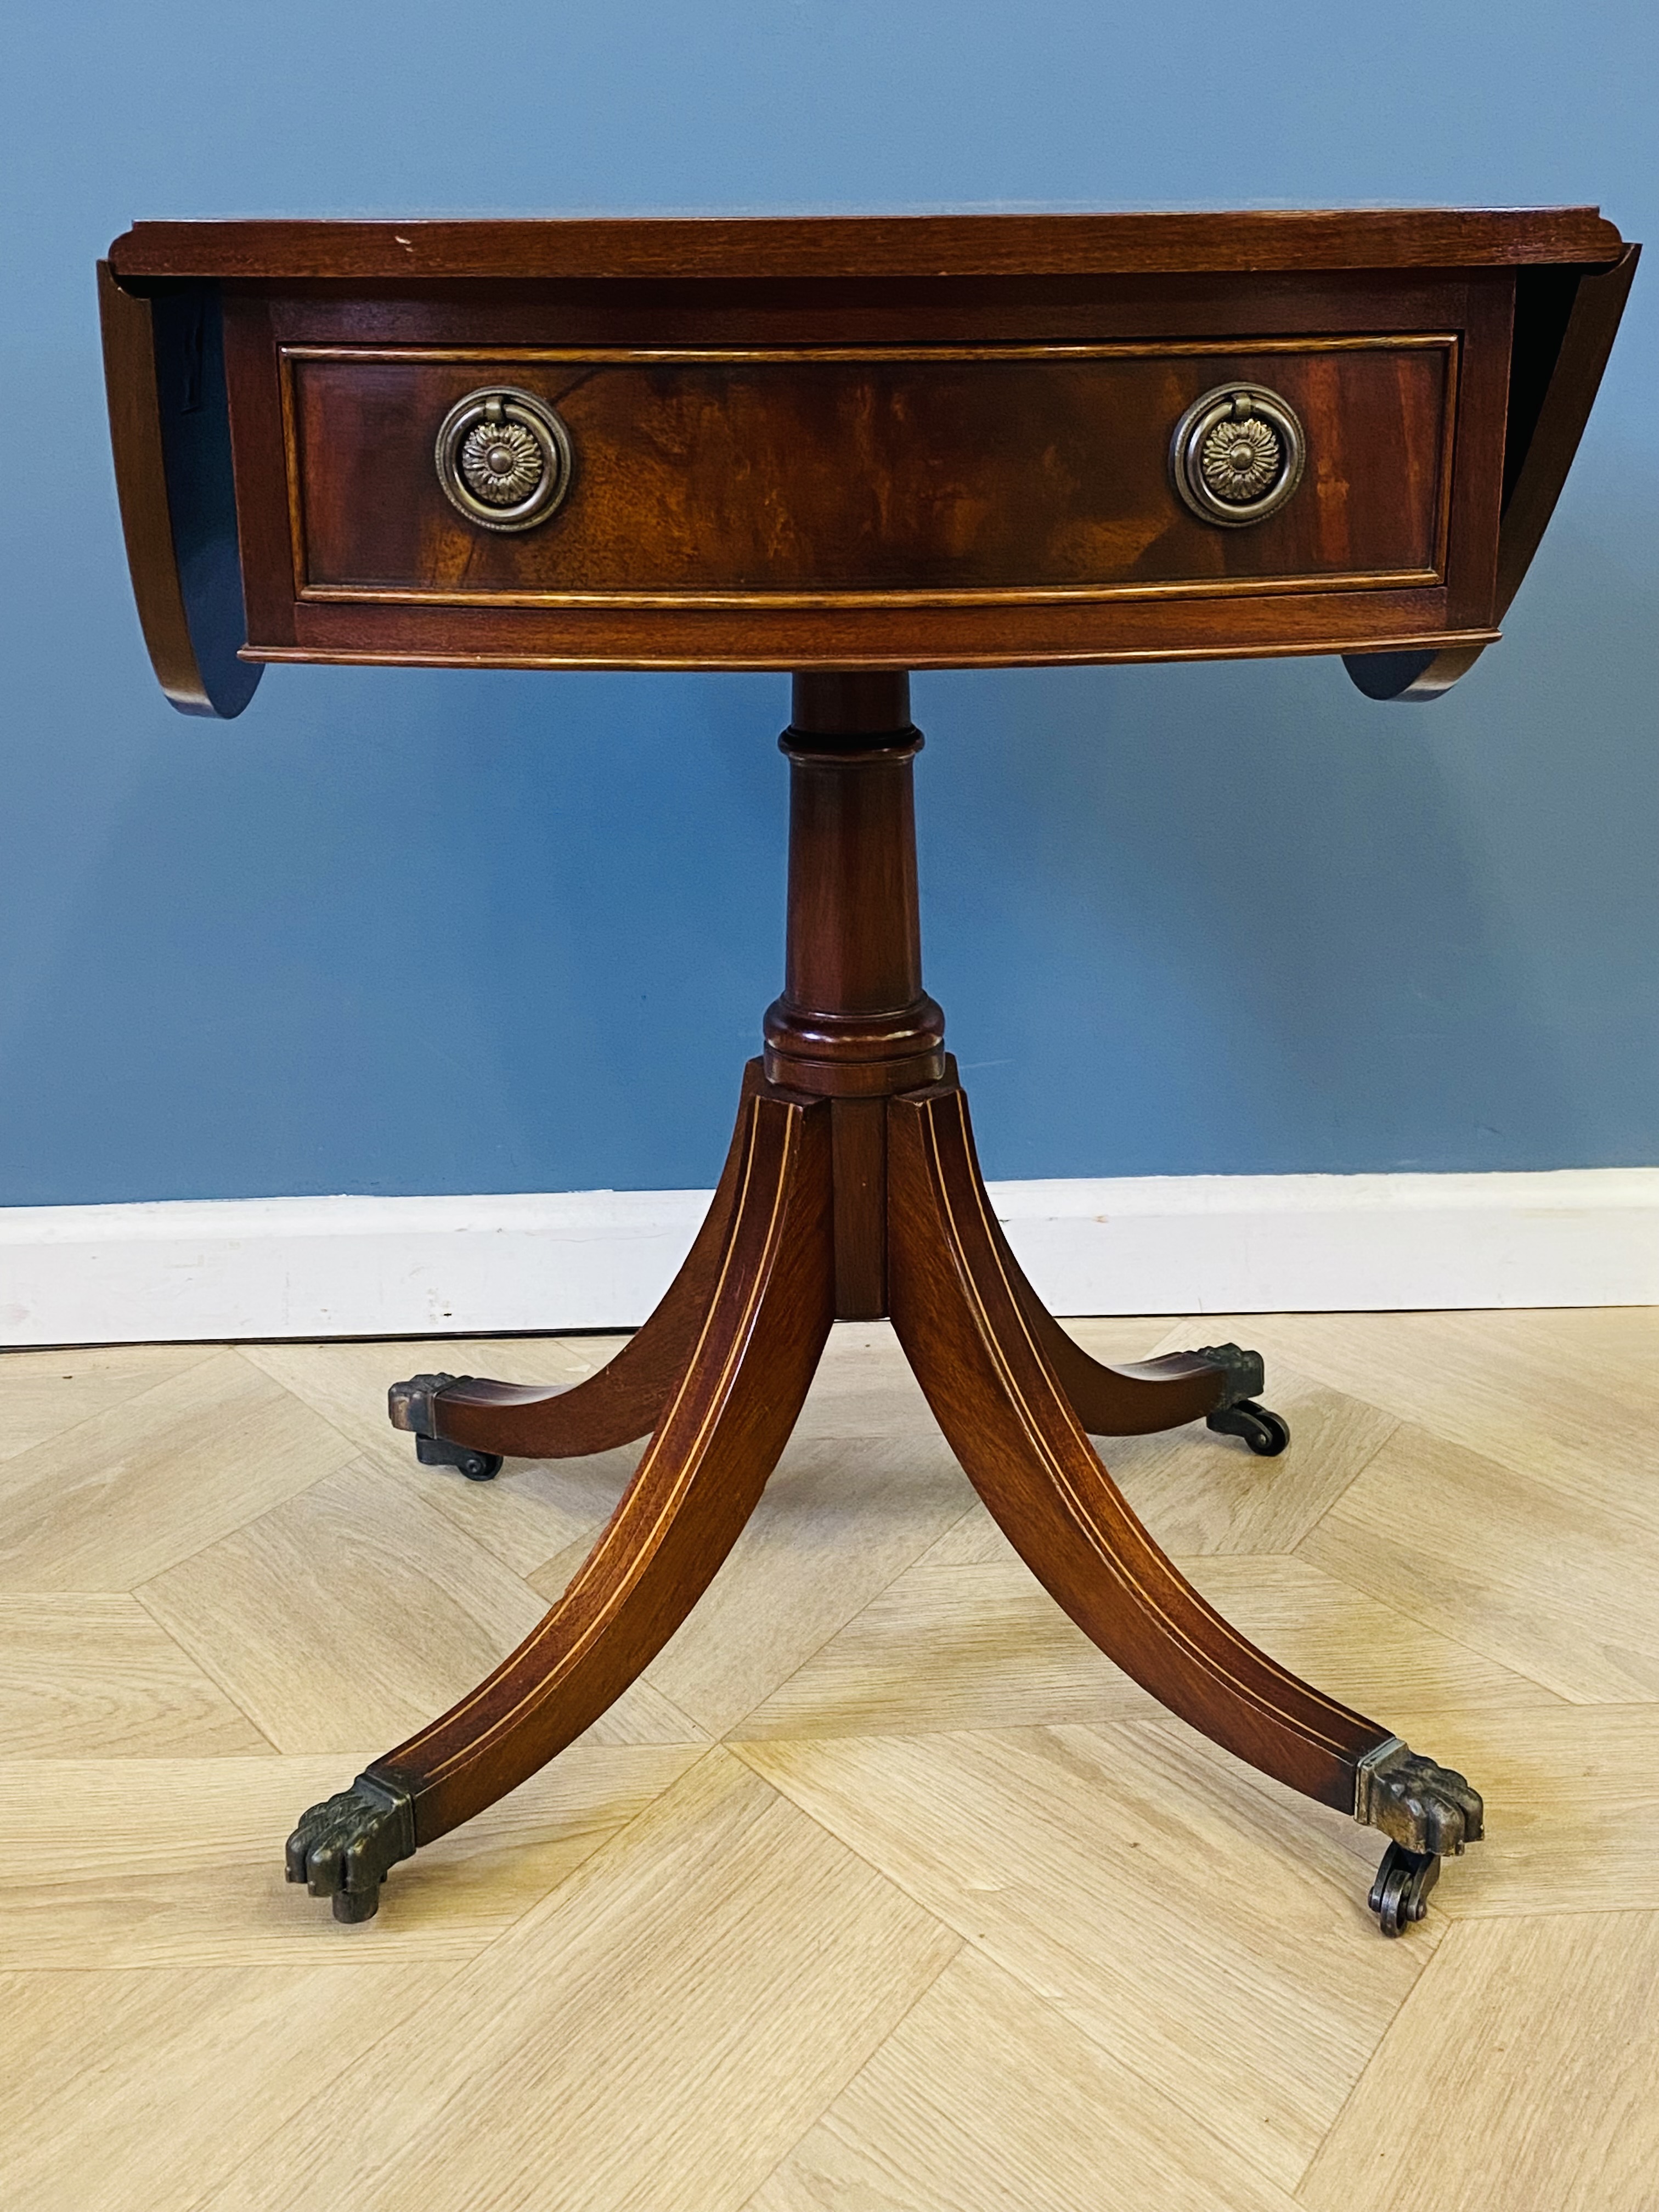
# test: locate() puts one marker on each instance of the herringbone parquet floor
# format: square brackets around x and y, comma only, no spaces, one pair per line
[882,1892]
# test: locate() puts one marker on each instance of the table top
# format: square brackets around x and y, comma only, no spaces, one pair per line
[834,441]
[714,246]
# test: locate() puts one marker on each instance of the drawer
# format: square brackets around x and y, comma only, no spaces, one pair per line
[870,476]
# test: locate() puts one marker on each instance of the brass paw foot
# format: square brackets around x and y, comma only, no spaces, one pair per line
[412,1406]
[344,1847]
[1424,1807]
[1240,1413]
[1427,1810]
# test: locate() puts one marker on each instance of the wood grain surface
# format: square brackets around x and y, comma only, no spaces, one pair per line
[1531,2101]
[700,1479]
[960,1322]
[785,478]
[855,245]
[728,1950]
[164,379]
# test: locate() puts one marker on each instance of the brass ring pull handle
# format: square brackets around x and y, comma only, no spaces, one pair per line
[1237,455]
[504,458]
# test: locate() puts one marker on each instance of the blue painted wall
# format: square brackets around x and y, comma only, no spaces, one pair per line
[395,932]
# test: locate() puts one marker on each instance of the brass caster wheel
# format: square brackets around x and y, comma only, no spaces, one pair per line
[1400,1894]
[1267,1433]
[476,1465]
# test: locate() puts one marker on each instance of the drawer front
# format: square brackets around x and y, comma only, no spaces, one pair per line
[883,476]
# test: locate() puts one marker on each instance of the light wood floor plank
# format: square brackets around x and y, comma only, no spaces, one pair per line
[138,2092]
[44,1392]
[350,1614]
[655,2036]
[1198,1492]
[125,1495]
[1522,2072]
[1010,1937]
[172,1861]
[1197,1929]
[947,1648]
[1569,1389]
[1572,1810]
[984,2100]
[841,1517]
[354,1613]
[86,1676]
[1551,1571]
[864,1388]
[534,1509]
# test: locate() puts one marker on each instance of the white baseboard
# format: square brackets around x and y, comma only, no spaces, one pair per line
[1156,1244]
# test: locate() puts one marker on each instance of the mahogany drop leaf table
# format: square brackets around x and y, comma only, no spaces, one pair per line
[849,447]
